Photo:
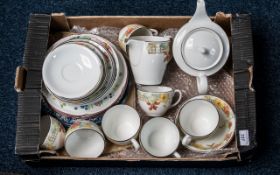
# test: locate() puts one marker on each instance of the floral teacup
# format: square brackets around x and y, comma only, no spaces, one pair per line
[156,100]
[134,30]
[52,133]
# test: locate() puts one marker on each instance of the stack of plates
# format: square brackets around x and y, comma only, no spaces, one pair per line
[83,75]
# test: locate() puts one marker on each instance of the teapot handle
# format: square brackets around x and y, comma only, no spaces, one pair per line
[200,12]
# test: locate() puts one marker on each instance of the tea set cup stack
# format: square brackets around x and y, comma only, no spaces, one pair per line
[86,75]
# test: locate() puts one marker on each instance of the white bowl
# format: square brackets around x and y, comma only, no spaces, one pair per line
[121,123]
[160,137]
[72,71]
[84,139]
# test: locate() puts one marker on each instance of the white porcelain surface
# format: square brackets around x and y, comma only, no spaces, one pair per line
[92,108]
[105,46]
[133,30]
[85,143]
[84,139]
[121,124]
[72,71]
[160,137]
[201,47]
[224,132]
[109,71]
[156,100]
[198,118]
[148,57]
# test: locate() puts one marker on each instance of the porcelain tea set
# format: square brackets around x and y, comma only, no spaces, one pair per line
[86,75]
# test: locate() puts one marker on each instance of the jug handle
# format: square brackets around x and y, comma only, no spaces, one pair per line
[200,12]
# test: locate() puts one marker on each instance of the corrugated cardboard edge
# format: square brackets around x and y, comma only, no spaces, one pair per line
[243,61]
[28,81]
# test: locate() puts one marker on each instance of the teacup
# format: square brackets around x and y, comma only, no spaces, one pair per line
[121,125]
[84,139]
[148,57]
[156,100]
[160,137]
[52,133]
[134,30]
[197,119]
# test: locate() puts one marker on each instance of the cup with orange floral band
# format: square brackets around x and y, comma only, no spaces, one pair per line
[156,100]
[134,30]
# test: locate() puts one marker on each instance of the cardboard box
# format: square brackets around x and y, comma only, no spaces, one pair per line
[28,84]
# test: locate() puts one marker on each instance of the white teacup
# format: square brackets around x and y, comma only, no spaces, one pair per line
[156,100]
[148,57]
[134,30]
[197,119]
[160,137]
[84,139]
[52,133]
[121,125]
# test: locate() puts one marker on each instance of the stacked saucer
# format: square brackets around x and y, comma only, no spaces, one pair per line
[83,75]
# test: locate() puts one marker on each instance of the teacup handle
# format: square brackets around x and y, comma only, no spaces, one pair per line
[202,84]
[177,155]
[135,144]
[186,140]
[179,92]
[154,32]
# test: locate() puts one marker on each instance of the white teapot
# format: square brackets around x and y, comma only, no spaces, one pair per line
[201,47]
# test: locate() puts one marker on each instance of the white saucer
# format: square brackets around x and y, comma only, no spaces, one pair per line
[224,132]
[92,108]
[72,71]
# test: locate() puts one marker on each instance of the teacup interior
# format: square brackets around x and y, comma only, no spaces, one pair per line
[142,32]
[160,137]
[198,118]
[45,123]
[84,143]
[155,89]
[121,123]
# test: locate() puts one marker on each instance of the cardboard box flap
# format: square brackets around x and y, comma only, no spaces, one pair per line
[243,60]
[20,79]
[28,80]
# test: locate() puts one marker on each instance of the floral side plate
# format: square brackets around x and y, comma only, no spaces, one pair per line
[225,131]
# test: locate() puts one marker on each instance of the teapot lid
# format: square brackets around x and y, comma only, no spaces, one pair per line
[202,49]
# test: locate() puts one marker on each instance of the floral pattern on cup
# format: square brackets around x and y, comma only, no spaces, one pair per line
[55,137]
[81,124]
[154,100]
[128,31]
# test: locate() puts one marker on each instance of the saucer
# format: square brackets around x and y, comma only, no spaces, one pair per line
[104,45]
[72,71]
[92,108]
[224,132]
